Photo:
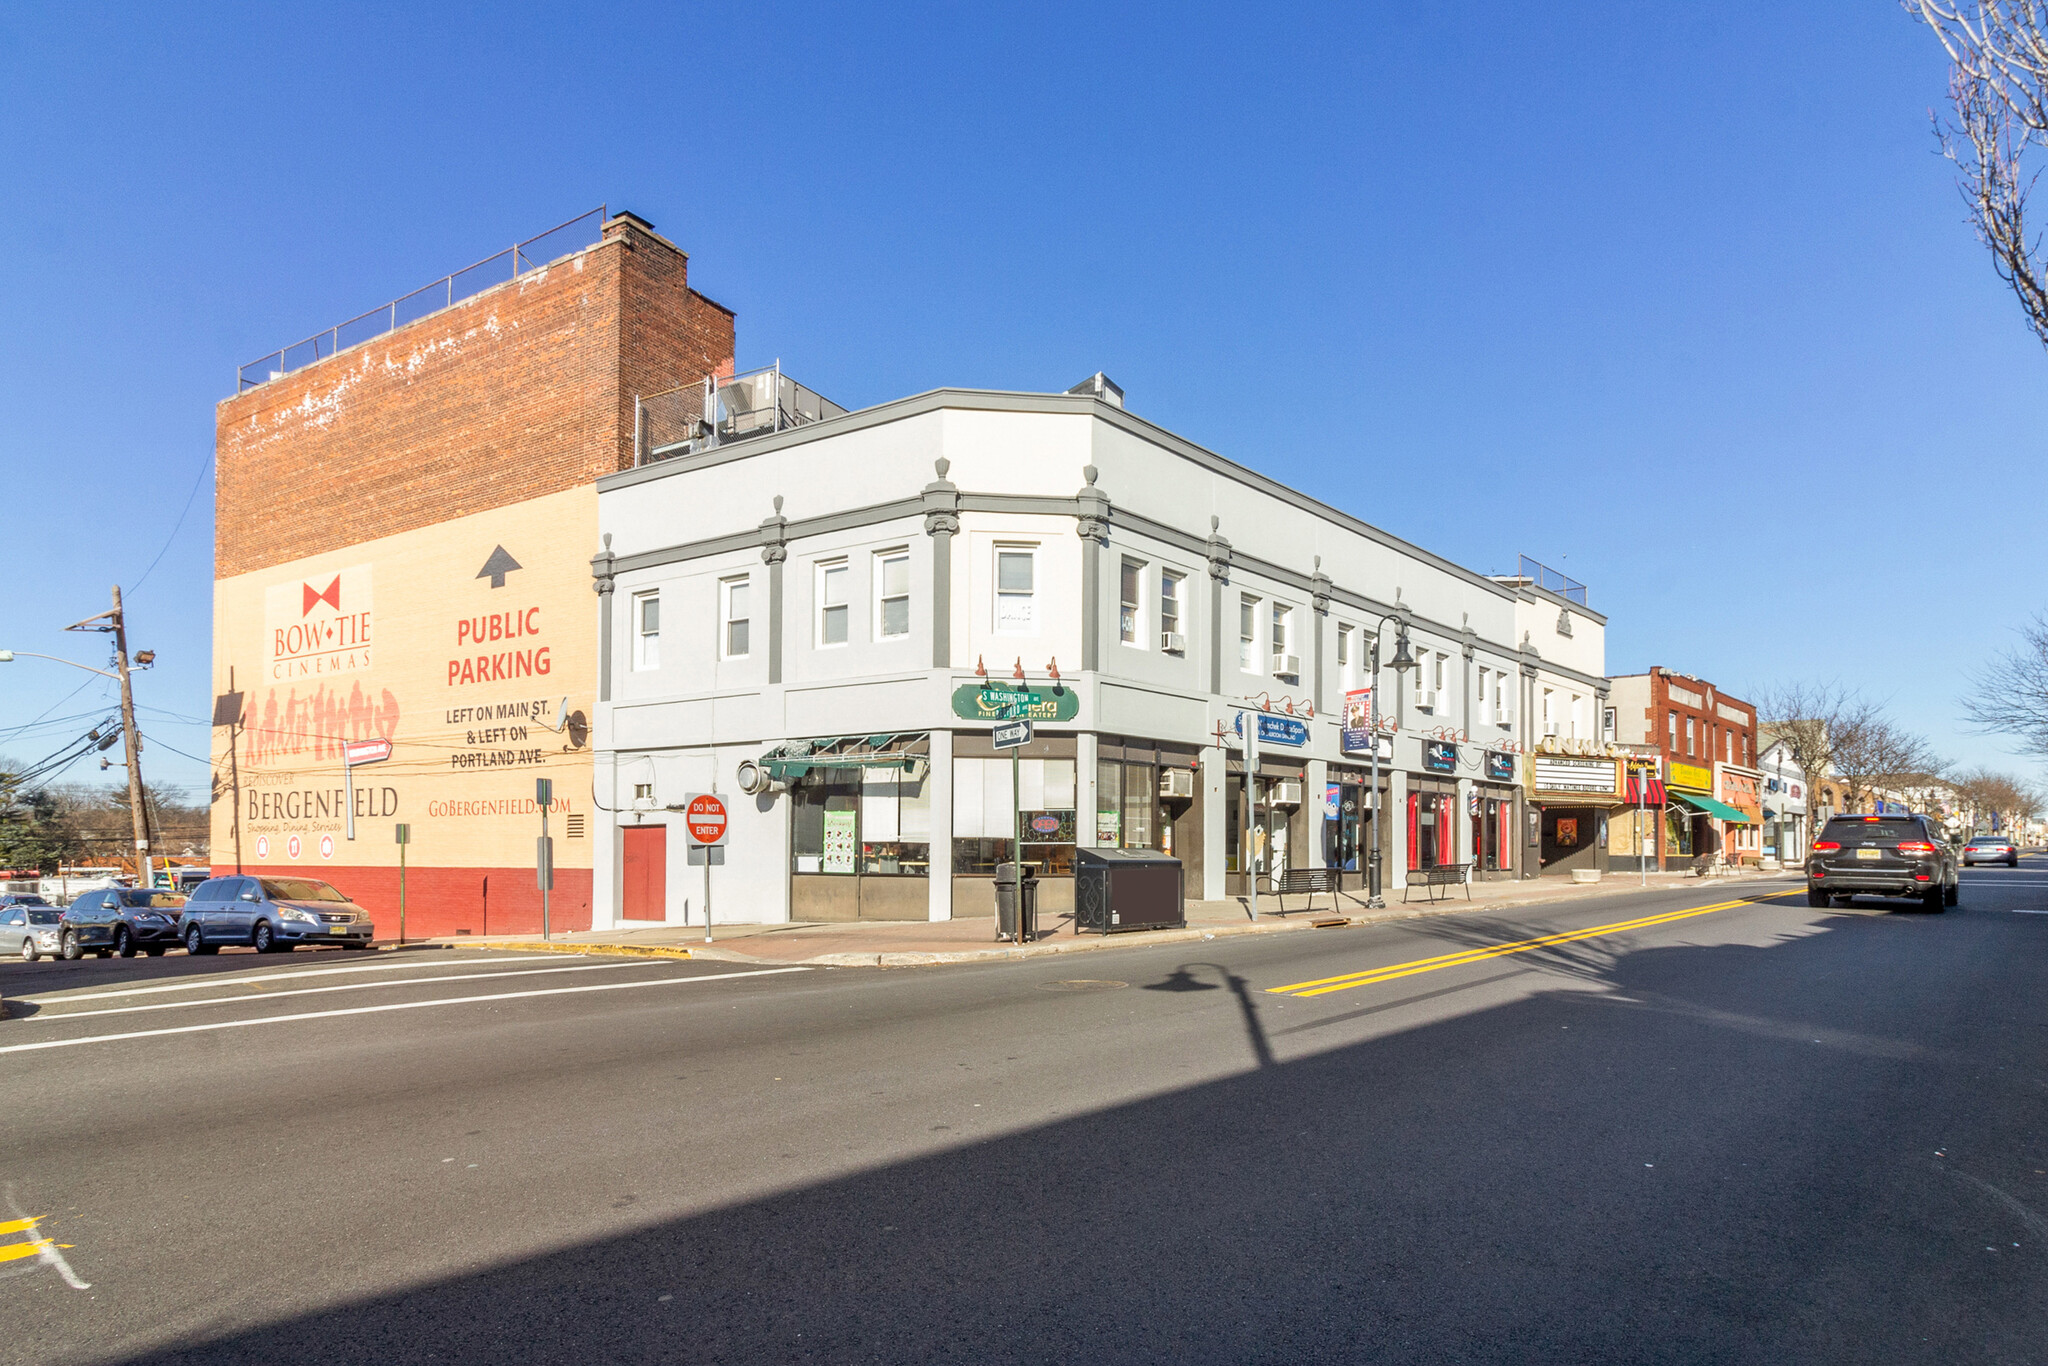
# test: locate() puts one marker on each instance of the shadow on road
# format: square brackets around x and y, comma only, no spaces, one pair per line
[1708,1175]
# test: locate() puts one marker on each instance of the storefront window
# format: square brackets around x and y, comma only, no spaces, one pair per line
[984,816]
[875,821]
[1678,831]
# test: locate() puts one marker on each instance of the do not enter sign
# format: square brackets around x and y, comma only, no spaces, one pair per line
[705,817]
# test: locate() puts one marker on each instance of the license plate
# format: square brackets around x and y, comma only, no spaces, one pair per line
[1870,853]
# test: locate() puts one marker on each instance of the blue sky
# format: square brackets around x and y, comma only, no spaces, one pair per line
[1679,300]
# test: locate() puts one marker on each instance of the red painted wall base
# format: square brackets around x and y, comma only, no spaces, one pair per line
[451,901]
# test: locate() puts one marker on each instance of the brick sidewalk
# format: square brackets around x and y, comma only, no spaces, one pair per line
[916,943]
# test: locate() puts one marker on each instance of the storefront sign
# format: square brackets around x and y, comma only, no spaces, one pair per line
[839,849]
[972,702]
[1500,768]
[1440,756]
[1577,777]
[1278,730]
[1691,777]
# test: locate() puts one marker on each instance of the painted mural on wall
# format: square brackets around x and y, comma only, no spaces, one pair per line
[470,646]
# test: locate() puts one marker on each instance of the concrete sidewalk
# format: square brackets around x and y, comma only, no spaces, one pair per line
[920,943]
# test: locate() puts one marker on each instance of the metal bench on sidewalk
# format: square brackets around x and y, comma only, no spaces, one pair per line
[1306,882]
[1443,875]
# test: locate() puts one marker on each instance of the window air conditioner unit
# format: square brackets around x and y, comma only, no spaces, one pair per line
[1176,782]
[1287,792]
[1173,642]
[1287,666]
[643,804]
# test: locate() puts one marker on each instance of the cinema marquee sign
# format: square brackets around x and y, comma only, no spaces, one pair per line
[1593,780]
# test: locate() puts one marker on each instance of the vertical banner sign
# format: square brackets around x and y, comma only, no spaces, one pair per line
[1357,737]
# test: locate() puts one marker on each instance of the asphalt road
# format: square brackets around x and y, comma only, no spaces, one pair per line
[1753,1133]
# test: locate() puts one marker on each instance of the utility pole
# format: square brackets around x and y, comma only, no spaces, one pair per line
[139,818]
[134,745]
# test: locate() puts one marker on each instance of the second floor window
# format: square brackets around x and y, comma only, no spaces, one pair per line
[892,595]
[647,630]
[1130,603]
[1169,606]
[832,610]
[1016,591]
[1283,638]
[1248,634]
[736,618]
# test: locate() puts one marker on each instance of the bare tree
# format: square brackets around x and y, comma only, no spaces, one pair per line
[1984,793]
[1836,734]
[2011,696]
[1998,93]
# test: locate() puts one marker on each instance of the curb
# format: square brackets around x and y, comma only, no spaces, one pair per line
[616,950]
[1093,944]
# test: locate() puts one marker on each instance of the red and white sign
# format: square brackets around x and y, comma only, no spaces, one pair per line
[356,752]
[327,846]
[705,817]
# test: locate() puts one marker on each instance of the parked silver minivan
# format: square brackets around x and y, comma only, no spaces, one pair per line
[271,915]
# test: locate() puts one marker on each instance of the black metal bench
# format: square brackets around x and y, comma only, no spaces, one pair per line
[1443,875]
[1306,882]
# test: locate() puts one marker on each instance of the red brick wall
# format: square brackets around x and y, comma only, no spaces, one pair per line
[522,391]
[1708,723]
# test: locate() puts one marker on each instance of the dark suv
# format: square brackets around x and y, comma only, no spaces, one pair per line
[120,920]
[1881,856]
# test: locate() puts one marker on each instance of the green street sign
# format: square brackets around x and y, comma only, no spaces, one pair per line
[1008,702]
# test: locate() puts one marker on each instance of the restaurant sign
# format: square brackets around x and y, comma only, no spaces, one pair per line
[1691,777]
[1014,702]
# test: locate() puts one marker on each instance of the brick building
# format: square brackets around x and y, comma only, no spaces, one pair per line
[403,533]
[1707,741]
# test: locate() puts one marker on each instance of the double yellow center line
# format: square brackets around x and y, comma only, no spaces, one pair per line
[1323,986]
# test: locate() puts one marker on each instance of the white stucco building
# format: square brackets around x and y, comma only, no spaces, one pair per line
[815,601]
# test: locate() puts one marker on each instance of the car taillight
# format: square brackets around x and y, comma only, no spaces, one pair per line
[1916,847]
[1825,846]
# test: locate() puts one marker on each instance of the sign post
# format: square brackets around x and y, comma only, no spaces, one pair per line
[355,752]
[1013,736]
[544,852]
[706,820]
[404,838]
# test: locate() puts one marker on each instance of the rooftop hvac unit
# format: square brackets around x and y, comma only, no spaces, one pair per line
[1287,792]
[1173,642]
[1287,666]
[1176,782]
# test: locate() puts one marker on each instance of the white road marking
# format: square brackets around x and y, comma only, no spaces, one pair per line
[49,1255]
[2027,910]
[396,1005]
[220,979]
[338,986]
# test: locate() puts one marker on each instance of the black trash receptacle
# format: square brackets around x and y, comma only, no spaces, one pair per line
[1009,893]
[1127,889]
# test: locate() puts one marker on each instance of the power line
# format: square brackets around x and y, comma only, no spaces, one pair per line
[204,466]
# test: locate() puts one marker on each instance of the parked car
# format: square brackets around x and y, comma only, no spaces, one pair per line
[1881,856]
[1991,849]
[28,926]
[272,915]
[185,879]
[120,920]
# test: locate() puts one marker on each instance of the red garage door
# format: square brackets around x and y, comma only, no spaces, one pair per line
[646,873]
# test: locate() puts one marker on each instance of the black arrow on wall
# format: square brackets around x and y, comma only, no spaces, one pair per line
[497,567]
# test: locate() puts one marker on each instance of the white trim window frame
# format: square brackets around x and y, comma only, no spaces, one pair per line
[1172,595]
[1283,634]
[834,613]
[1346,672]
[1015,609]
[1248,660]
[1130,591]
[735,621]
[892,593]
[647,630]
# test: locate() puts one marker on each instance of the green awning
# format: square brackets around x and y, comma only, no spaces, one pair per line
[1708,806]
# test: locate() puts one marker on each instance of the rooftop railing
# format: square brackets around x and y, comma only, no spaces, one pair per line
[717,411]
[518,259]
[1544,577]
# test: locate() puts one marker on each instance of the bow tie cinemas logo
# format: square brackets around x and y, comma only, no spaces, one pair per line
[318,626]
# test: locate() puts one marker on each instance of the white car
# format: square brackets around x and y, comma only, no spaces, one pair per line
[28,927]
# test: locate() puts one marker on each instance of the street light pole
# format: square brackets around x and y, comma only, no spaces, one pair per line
[1401,662]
